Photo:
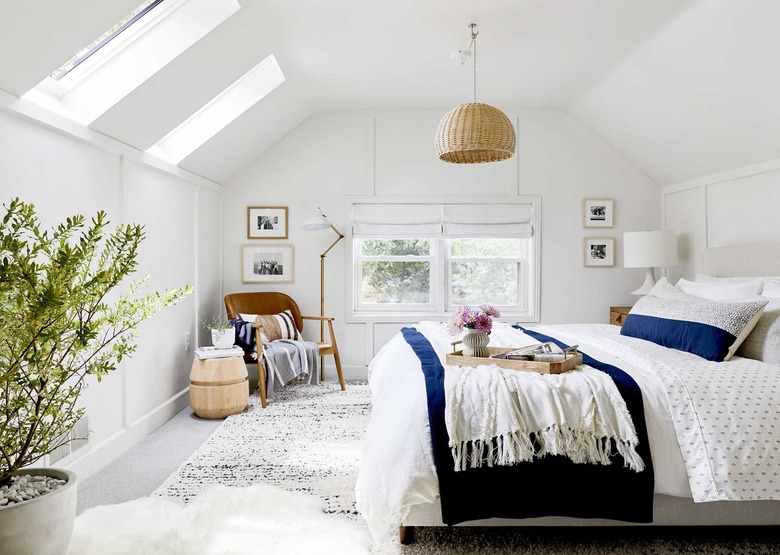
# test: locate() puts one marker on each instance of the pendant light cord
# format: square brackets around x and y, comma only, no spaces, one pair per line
[474,44]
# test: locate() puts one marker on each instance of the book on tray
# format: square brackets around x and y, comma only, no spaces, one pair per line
[213,352]
[548,352]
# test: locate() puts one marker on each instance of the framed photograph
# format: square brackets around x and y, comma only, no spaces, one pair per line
[597,212]
[598,252]
[266,222]
[267,263]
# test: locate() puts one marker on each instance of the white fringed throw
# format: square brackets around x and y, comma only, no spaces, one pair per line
[494,415]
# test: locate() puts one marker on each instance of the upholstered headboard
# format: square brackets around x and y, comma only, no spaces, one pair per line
[742,260]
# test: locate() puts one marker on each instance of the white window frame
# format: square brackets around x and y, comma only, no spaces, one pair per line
[433,276]
[522,275]
[442,308]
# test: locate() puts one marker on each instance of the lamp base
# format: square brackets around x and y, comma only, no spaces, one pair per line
[647,285]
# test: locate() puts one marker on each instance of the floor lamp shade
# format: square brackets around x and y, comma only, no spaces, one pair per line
[649,249]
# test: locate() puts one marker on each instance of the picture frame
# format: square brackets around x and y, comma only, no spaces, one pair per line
[598,212]
[267,263]
[598,252]
[266,222]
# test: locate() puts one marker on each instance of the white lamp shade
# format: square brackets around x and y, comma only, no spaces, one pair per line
[315,223]
[649,249]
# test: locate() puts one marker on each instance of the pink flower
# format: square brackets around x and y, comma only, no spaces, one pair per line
[490,311]
[483,323]
[477,319]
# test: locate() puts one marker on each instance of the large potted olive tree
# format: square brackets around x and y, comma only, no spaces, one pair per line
[67,313]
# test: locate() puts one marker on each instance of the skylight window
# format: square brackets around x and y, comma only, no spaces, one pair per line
[104,39]
[128,54]
[219,112]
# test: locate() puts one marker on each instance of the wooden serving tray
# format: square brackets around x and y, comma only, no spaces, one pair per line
[457,359]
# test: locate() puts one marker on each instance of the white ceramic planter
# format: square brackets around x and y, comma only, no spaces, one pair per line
[42,525]
[475,343]
[223,339]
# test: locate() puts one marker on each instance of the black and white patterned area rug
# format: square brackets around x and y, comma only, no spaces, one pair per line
[309,439]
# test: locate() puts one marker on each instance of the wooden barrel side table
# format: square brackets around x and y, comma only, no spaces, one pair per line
[219,387]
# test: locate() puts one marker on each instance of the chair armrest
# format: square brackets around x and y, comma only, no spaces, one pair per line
[322,318]
[258,338]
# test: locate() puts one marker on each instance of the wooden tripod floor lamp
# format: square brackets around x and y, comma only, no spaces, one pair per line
[321,223]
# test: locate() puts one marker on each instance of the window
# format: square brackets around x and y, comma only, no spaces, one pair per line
[396,272]
[428,259]
[219,112]
[126,55]
[104,39]
[492,271]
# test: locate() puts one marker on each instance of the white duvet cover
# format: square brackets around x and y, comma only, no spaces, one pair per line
[725,414]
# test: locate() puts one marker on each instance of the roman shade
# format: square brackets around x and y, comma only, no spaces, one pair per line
[511,219]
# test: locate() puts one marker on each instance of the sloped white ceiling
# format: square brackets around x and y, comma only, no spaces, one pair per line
[700,97]
[682,87]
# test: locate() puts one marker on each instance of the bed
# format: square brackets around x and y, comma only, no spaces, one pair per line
[398,484]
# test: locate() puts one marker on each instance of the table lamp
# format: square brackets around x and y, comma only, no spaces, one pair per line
[649,249]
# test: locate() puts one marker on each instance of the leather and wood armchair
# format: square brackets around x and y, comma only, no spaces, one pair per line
[273,303]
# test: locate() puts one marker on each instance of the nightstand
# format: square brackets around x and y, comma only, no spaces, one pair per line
[617,314]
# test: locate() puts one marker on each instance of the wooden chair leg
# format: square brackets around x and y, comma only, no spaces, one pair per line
[338,369]
[336,356]
[407,534]
[261,383]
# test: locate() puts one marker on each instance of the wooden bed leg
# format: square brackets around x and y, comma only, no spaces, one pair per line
[407,534]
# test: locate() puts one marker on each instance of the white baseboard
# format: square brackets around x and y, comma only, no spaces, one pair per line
[87,461]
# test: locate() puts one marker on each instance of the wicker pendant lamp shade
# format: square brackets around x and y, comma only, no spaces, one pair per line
[475,133]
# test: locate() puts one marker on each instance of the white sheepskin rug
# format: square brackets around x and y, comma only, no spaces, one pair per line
[261,519]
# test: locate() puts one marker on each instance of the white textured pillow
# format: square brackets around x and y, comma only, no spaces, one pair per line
[763,342]
[665,290]
[722,290]
[704,278]
[771,289]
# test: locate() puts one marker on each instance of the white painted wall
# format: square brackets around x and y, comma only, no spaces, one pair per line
[336,155]
[65,175]
[732,208]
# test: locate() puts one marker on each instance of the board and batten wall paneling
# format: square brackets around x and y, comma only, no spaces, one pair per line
[65,174]
[209,230]
[733,208]
[685,213]
[165,206]
[337,155]
[406,163]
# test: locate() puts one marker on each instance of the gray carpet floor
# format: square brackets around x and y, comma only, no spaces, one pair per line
[141,470]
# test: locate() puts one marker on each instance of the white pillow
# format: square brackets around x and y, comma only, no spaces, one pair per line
[665,290]
[771,289]
[722,290]
[247,317]
[763,342]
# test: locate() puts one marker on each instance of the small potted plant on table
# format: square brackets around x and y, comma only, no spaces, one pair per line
[223,334]
[57,328]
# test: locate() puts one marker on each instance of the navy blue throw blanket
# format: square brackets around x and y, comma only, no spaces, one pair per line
[549,486]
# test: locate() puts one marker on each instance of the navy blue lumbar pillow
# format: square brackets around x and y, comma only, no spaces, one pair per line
[712,330]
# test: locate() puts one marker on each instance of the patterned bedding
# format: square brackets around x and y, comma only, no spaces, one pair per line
[712,427]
